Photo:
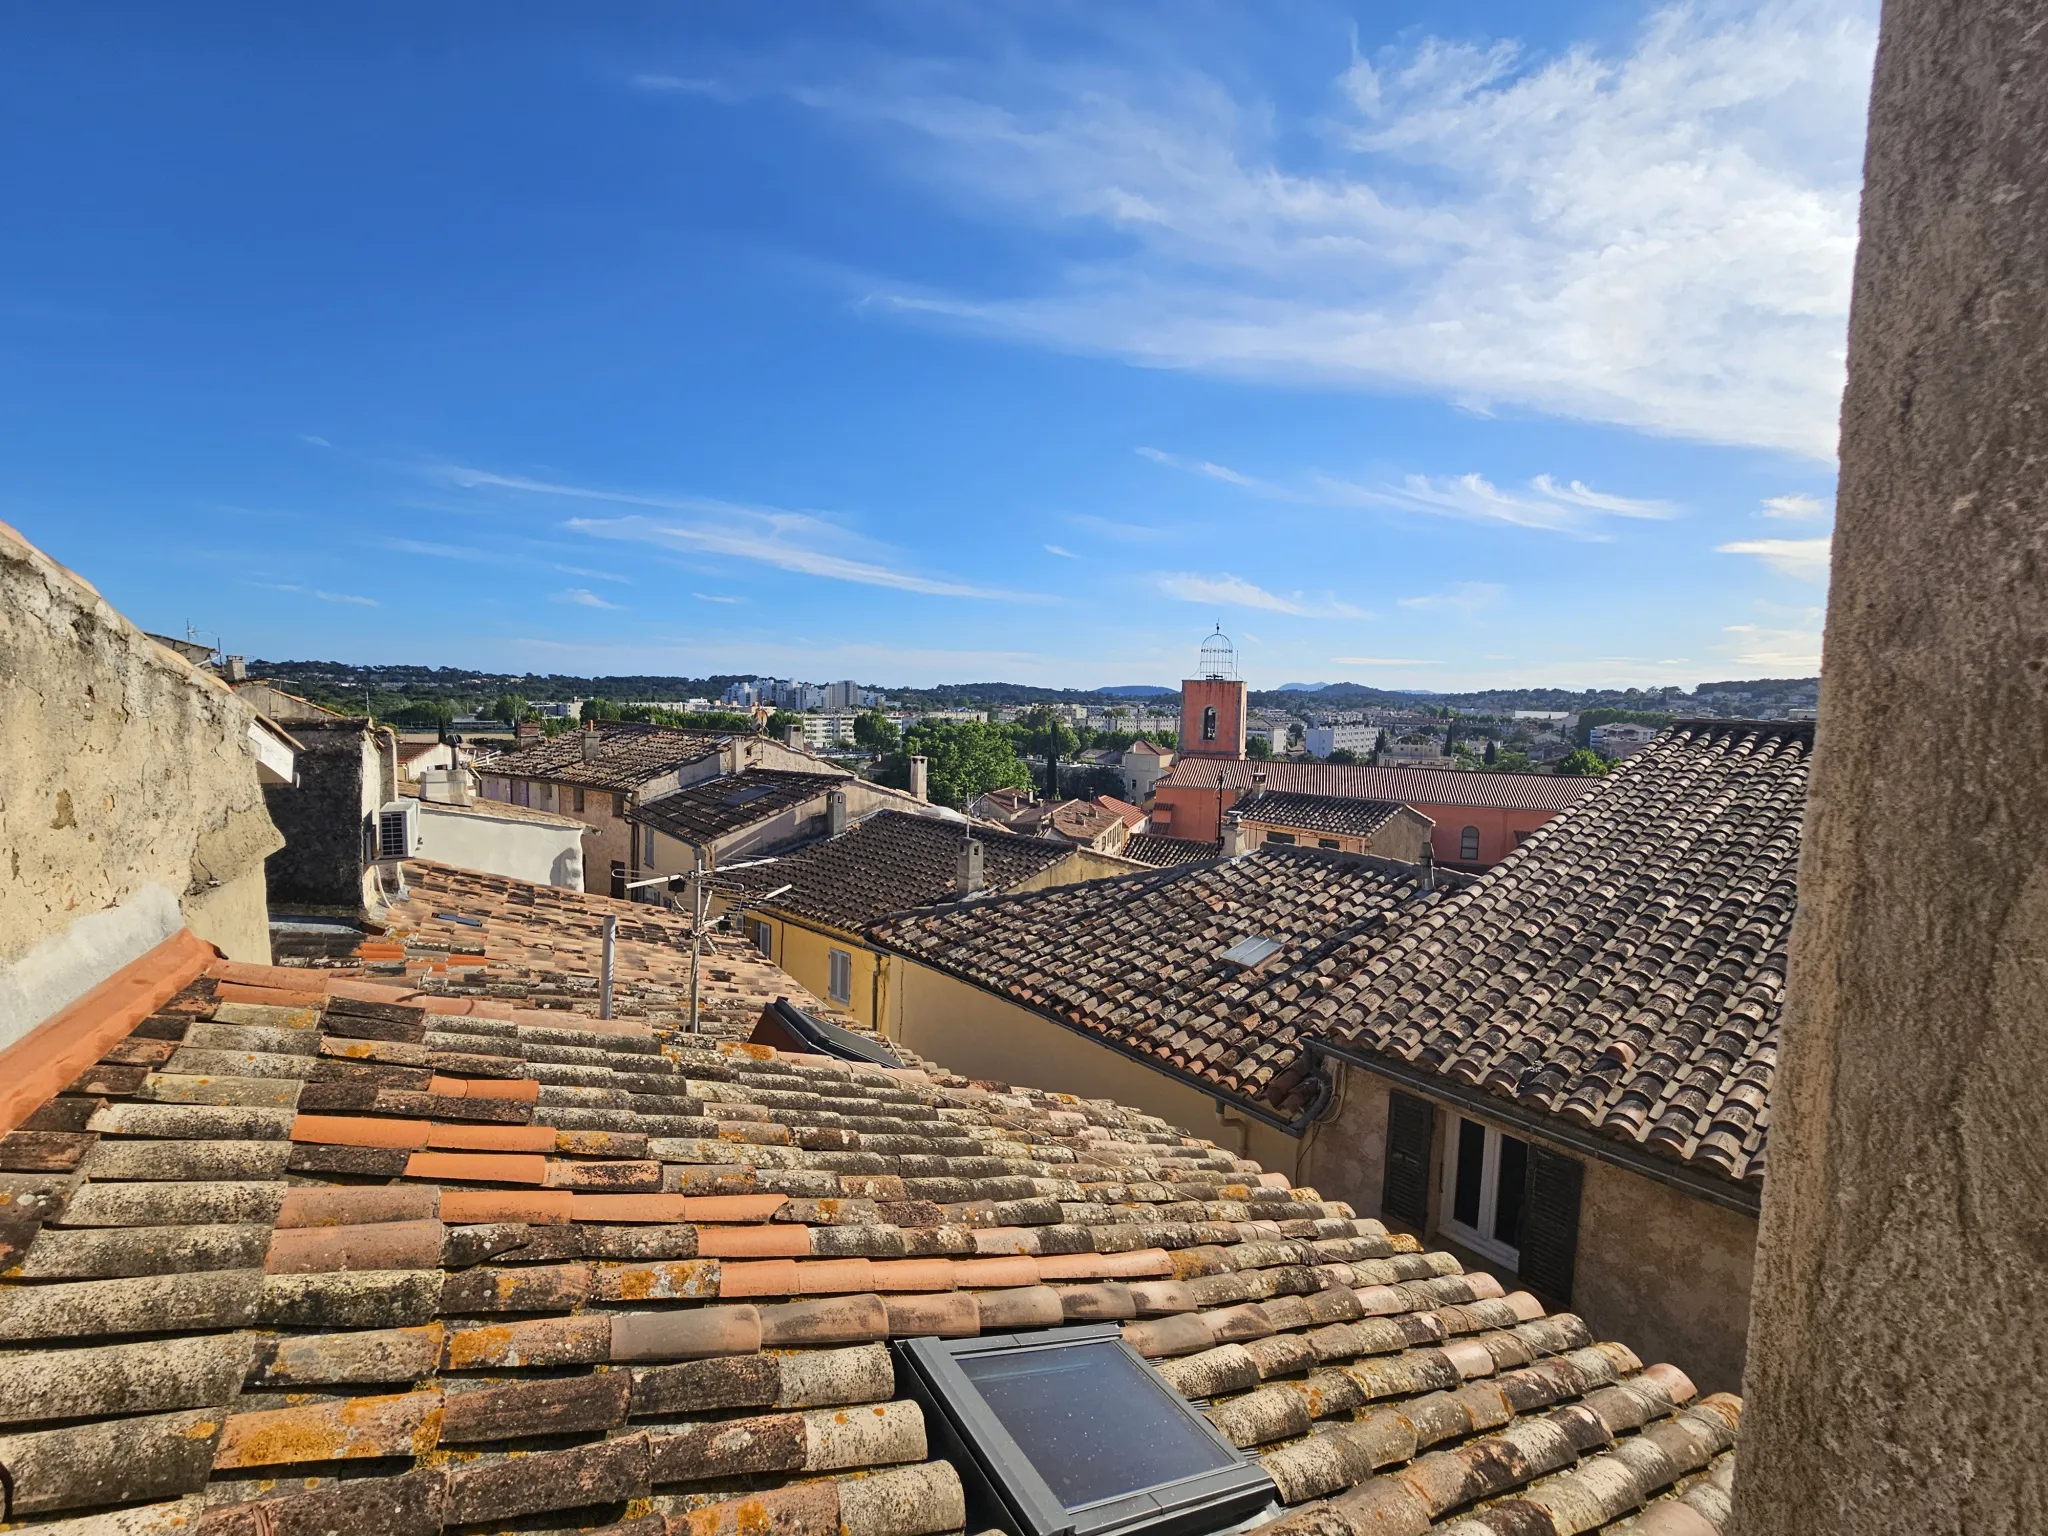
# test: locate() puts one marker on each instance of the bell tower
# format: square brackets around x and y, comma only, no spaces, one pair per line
[1212,704]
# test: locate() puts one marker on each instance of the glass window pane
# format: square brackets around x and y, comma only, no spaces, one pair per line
[1471,1169]
[1507,1200]
[1094,1422]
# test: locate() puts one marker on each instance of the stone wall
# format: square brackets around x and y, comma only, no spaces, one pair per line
[322,866]
[1899,1376]
[129,803]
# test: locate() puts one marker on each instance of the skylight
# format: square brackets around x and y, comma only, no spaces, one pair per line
[1251,951]
[1069,1432]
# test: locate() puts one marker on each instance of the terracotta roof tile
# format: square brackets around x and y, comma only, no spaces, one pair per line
[719,806]
[627,756]
[1160,851]
[1408,786]
[1317,813]
[535,1356]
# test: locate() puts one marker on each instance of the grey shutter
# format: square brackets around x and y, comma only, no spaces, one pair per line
[1550,1224]
[1411,1131]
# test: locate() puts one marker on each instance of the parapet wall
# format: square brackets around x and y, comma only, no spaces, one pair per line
[129,801]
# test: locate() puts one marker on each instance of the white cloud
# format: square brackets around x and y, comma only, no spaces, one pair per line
[1787,652]
[441,551]
[1570,508]
[1064,554]
[1235,592]
[1658,235]
[314,592]
[313,438]
[583,597]
[716,597]
[1798,509]
[582,570]
[1382,661]
[1806,559]
[1466,597]
[799,542]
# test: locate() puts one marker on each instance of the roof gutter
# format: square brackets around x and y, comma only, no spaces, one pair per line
[1537,1126]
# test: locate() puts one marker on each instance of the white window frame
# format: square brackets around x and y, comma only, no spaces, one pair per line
[839,976]
[762,936]
[1475,1238]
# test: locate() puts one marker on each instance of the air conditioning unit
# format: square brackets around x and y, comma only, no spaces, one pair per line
[398,830]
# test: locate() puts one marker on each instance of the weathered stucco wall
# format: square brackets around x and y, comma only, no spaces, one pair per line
[1665,1272]
[129,803]
[1898,1375]
[981,1035]
[518,850]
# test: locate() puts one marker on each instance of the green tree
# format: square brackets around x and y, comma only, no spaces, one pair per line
[964,758]
[1342,755]
[424,715]
[1258,748]
[1588,718]
[1511,761]
[1380,743]
[875,731]
[1492,751]
[779,723]
[600,709]
[1045,732]
[510,708]
[1582,763]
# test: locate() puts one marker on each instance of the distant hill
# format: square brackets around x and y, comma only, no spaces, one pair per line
[1137,691]
[1302,687]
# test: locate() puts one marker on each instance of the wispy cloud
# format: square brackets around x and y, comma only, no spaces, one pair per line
[1235,592]
[1064,554]
[716,597]
[1573,507]
[583,597]
[1466,597]
[799,542]
[1793,652]
[1118,532]
[1657,234]
[1383,661]
[1798,509]
[313,438]
[315,592]
[1806,559]
[442,551]
[585,571]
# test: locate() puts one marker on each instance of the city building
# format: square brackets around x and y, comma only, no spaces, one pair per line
[755,811]
[1212,710]
[1621,739]
[1480,818]
[1354,736]
[1144,764]
[461,829]
[1335,822]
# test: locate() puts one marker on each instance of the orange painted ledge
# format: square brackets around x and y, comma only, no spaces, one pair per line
[50,1057]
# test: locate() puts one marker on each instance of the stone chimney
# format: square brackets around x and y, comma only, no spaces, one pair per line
[793,736]
[920,780]
[1258,781]
[593,742]
[236,669]
[526,732]
[835,813]
[969,879]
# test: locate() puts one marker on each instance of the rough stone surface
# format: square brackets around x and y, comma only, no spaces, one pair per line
[122,1378]
[1907,1119]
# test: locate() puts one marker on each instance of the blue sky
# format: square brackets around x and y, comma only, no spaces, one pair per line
[1426,346]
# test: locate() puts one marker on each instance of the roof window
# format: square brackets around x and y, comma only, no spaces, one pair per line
[1026,1418]
[1248,952]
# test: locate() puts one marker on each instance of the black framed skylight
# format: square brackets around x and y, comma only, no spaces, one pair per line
[1069,1432]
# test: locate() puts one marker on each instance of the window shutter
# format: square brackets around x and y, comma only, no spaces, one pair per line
[1550,1224]
[1411,1130]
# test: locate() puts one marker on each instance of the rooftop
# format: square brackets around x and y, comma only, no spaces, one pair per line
[296,1261]
[1410,786]
[492,810]
[1159,851]
[628,756]
[1137,960]
[890,862]
[709,810]
[1623,968]
[1317,813]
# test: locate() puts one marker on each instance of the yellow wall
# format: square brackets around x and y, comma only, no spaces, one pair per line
[804,951]
[980,1035]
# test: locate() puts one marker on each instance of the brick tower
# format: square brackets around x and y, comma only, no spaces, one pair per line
[1212,707]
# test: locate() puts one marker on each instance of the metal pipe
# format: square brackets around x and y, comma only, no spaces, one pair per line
[696,934]
[611,944]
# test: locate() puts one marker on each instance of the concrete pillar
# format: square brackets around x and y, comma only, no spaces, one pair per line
[1897,1378]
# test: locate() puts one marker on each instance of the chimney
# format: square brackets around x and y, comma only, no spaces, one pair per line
[447,786]
[920,783]
[835,813]
[969,880]
[237,669]
[526,732]
[793,736]
[1233,836]
[1428,866]
[1258,780]
[592,741]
